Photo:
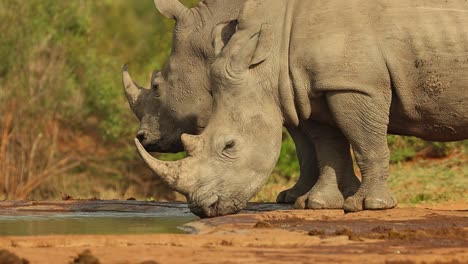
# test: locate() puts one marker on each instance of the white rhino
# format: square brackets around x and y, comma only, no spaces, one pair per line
[365,68]
[179,101]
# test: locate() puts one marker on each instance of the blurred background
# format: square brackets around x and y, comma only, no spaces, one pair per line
[66,129]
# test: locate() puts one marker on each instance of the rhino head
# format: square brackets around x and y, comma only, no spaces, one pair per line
[179,100]
[232,158]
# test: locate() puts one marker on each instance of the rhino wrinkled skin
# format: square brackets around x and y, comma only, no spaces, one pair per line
[179,101]
[338,71]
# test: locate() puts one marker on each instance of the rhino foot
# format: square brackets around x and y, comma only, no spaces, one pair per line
[320,200]
[349,185]
[289,196]
[359,202]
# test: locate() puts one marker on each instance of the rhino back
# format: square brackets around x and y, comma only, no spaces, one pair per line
[414,52]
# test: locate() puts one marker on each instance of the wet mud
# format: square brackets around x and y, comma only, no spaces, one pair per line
[403,235]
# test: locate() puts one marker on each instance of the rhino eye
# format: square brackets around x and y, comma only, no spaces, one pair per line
[155,88]
[229,145]
[229,149]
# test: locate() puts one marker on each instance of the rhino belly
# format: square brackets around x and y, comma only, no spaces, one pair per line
[431,101]
[443,120]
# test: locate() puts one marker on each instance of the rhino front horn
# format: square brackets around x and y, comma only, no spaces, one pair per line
[132,90]
[177,174]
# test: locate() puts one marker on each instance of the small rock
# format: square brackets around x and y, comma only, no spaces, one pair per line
[85,258]
[66,197]
[345,231]
[149,262]
[6,257]
[263,224]
[316,232]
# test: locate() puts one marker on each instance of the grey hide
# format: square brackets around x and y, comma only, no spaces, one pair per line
[357,68]
[179,101]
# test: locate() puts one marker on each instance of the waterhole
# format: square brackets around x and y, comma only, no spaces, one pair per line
[101,223]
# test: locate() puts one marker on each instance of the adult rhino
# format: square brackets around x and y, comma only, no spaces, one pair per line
[180,101]
[363,67]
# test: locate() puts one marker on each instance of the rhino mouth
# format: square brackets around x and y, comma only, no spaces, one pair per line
[214,206]
[161,147]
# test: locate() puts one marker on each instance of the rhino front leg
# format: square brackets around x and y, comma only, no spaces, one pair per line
[336,179]
[364,119]
[308,167]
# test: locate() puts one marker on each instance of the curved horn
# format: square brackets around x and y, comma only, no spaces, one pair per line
[171,172]
[132,90]
[171,9]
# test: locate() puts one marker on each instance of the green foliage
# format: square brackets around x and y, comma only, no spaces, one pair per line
[287,167]
[402,149]
[430,181]
[86,42]
[407,148]
[62,60]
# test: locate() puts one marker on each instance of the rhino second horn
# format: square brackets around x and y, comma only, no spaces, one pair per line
[172,9]
[173,173]
[132,90]
[191,143]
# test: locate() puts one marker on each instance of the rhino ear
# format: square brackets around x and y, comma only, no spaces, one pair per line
[253,50]
[221,35]
[264,46]
[171,8]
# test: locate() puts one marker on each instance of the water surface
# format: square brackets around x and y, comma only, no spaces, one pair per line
[91,223]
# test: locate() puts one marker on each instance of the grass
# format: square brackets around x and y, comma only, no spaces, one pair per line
[430,180]
[418,181]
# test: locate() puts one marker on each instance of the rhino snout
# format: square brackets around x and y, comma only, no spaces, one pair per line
[143,136]
[214,206]
[149,140]
[146,137]
[153,142]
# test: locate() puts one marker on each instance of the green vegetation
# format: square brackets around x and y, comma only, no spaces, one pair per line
[61,64]
[66,128]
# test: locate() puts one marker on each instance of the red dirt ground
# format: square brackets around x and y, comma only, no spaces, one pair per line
[403,235]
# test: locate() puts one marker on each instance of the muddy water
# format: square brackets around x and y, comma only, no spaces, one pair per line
[91,223]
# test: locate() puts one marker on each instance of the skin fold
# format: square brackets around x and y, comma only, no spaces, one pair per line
[348,71]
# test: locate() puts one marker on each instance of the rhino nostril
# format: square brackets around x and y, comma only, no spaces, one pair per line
[141,135]
[213,205]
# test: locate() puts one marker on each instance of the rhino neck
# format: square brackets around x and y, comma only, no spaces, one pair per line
[280,15]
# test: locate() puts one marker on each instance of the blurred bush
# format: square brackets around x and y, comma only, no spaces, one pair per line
[60,81]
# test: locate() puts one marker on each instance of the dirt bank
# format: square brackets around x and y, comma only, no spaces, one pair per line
[406,235]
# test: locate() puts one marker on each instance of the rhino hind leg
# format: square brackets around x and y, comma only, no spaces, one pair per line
[336,179]
[364,119]
[308,168]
